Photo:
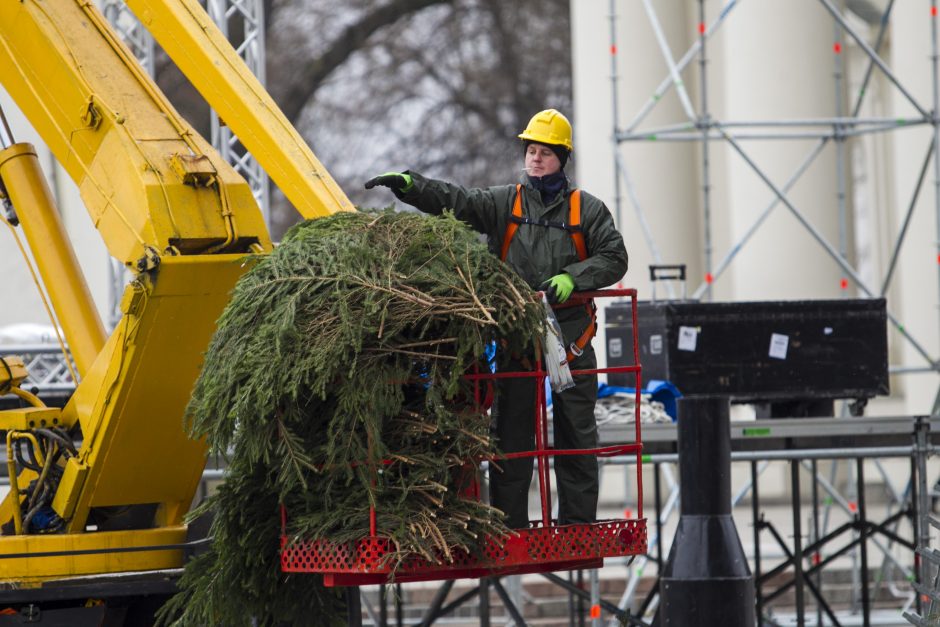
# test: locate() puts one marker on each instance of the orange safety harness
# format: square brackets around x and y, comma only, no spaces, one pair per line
[573,227]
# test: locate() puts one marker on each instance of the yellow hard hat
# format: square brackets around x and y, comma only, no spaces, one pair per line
[549,127]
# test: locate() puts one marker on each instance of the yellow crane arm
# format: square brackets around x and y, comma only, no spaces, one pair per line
[171,209]
[151,184]
[196,45]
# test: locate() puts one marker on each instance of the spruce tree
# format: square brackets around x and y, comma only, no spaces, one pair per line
[335,381]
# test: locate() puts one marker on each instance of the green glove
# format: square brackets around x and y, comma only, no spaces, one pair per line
[398,182]
[558,288]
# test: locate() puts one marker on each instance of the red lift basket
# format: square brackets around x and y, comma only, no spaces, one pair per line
[543,547]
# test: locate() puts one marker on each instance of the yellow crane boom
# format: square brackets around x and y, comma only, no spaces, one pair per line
[170,209]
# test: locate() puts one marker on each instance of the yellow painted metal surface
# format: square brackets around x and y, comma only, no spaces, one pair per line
[12,372]
[70,487]
[37,568]
[114,132]
[169,208]
[196,45]
[28,397]
[131,403]
[29,418]
[8,505]
[71,299]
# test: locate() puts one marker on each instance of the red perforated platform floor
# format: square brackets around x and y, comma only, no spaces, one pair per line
[538,549]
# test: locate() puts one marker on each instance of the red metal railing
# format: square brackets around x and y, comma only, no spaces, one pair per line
[543,547]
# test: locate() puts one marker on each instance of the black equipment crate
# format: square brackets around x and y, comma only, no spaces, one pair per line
[757,351]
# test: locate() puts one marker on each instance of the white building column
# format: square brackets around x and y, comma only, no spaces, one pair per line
[915,299]
[663,174]
[779,65]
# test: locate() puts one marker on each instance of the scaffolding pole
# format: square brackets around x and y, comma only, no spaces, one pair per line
[841,129]
[683,62]
[935,84]
[615,111]
[247,16]
[739,245]
[840,138]
[704,124]
[826,246]
[902,233]
[851,32]
[845,127]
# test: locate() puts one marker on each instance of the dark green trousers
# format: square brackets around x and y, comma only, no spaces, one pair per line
[576,476]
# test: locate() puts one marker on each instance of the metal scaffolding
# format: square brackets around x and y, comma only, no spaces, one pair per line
[242,21]
[878,541]
[702,127]
[840,519]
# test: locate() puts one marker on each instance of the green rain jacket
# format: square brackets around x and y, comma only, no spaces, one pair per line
[536,253]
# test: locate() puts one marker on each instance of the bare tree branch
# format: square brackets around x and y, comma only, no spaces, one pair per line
[381,84]
[314,72]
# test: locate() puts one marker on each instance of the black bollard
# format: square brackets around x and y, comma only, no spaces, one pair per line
[707,581]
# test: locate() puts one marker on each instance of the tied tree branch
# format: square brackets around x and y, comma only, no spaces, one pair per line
[351,431]
[308,80]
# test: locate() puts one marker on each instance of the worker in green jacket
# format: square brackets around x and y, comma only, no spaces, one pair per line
[530,227]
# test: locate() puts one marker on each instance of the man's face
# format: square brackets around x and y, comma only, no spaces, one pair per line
[540,160]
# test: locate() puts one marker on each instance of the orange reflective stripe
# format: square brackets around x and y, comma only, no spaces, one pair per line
[582,341]
[574,219]
[577,236]
[586,336]
[512,227]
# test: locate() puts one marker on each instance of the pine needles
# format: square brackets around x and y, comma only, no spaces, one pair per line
[335,381]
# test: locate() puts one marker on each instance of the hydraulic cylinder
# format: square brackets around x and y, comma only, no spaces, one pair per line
[63,279]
